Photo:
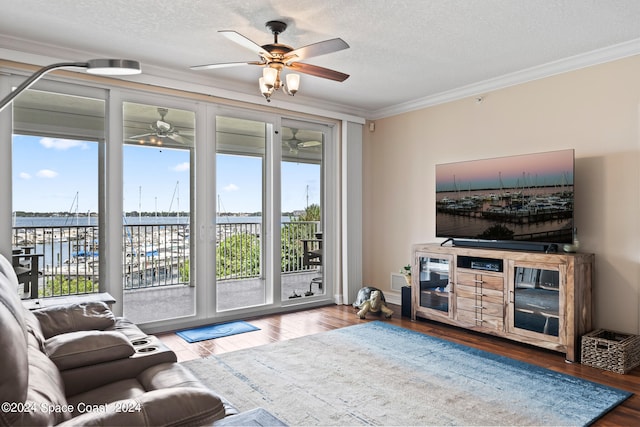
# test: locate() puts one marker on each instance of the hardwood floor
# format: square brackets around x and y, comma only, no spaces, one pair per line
[282,327]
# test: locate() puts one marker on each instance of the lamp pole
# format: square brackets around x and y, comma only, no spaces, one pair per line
[94,66]
[35,77]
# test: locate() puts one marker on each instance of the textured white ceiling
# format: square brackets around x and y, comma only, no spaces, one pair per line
[401,51]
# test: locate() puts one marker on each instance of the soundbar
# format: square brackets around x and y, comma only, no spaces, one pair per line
[512,245]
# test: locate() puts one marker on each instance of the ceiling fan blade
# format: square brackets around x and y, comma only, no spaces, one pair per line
[141,135]
[316,49]
[314,70]
[224,65]
[307,144]
[246,43]
[179,139]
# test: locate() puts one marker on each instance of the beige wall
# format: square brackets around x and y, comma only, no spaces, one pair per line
[593,110]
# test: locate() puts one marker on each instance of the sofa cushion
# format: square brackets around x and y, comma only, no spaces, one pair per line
[13,344]
[34,329]
[45,392]
[84,316]
[180,406]
[172,375]
[118,390]
[82,348]
[127,328]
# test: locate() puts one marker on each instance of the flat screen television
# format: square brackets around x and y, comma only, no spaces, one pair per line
[512,202]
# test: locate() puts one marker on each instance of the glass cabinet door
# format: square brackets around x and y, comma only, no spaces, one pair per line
[433,279]
[535,305]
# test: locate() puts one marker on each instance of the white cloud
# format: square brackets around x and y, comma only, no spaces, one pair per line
[24,175]
[46,173]
[182,167]
[62,144]
[231,187]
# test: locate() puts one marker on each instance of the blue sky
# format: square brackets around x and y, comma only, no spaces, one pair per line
[60,175]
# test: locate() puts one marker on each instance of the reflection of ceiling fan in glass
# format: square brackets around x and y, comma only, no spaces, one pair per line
[295,144]
[161,129]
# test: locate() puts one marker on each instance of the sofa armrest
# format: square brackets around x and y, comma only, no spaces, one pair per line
[82,348]
[154,352]
[175,406]
[83,316]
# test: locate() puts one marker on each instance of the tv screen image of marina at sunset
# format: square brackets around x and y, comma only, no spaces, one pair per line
[526,197]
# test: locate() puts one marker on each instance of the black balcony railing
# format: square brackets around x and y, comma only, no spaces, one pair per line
[68,259]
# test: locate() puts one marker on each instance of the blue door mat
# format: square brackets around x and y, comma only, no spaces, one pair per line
[216,331]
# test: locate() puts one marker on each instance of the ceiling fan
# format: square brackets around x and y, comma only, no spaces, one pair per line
[276,57]
[161,129]
[295,144]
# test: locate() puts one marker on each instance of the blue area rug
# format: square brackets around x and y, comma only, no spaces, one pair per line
[375,373]
[216,331]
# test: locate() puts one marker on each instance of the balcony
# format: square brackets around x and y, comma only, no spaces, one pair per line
[156,267]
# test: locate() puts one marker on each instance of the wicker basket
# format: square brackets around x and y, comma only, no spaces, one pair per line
[610,350]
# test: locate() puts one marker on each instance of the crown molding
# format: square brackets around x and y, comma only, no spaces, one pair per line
[43,54]
[595,57]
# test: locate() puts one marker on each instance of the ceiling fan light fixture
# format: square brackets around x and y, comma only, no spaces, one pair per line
[276,57]
[293,83]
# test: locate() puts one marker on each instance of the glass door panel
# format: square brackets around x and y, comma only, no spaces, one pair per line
[157,185]
[301,172]
[536,300]
[435,290]
[57,151]
[240,177]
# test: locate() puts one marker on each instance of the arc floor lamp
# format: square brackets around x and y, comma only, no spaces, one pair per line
[106,67]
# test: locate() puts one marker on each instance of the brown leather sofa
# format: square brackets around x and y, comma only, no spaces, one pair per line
[80,365]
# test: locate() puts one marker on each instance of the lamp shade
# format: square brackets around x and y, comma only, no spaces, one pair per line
[270,76]
[263,87]
[113,67]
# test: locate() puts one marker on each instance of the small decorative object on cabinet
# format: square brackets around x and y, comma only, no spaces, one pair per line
[532,297]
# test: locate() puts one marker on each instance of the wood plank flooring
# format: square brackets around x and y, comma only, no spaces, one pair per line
[282,327]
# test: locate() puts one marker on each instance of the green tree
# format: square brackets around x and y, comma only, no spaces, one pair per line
[238,256]
[292,235]
[184,272]
[64,285]
[311,213]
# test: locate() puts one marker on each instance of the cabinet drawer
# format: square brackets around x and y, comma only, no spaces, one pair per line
[483,280]
[480,319]
[476,293]
[487,308]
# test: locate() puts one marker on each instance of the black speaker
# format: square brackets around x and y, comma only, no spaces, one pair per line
[406,301]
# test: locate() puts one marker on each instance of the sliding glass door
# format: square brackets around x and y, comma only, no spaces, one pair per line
[269,222]
[57,153]
[301,206]
[158,153]
[241,148]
